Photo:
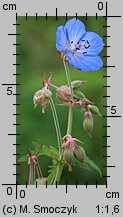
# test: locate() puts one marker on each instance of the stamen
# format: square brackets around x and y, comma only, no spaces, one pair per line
[77,48]
[87,46]
[84,52]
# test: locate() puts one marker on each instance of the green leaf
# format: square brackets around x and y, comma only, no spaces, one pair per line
[81,165]
[93,165]
[49,151]
[52,171]
[36,146]
[54,150]
[46,150]
[55,172]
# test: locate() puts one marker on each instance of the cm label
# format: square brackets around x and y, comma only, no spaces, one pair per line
[9,7]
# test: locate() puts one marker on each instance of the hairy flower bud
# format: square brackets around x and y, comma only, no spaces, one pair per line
[95,110]
[80,154]
[42,96]
[76,84]
[68,157]
[41,181]
[78,95]
[88,123]
[64,93]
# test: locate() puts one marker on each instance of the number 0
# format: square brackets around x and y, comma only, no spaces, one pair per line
[100,6]
[9,191]
[22,194]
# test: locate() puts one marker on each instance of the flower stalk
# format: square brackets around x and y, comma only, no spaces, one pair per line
[31,174]
[59,172]
[70,115]
[70,121]
[56,122]
[67,74]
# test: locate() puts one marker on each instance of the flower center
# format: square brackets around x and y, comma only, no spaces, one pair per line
[74,47]
[84,44]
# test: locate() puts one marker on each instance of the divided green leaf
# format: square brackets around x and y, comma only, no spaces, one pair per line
[80,164]
[51,176]
[93,165]
[49,151]
[87,165]
[55,172]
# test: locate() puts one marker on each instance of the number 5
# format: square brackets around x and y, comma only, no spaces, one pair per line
[9,90]
[113,109]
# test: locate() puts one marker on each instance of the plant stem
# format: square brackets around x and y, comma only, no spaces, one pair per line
[56,122]
[69,127]
[67,75]
[70,115]
[39,171]
[31,174]
[70,121]
[59,172]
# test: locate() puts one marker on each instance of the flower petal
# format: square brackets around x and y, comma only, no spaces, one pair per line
[75,29]
[84,63]
[61,39]
[94,46]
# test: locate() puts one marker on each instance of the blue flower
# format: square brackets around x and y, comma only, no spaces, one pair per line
[81,47]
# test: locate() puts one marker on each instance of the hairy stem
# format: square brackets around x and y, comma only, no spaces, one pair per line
[70,121]
[59,172]
[39,171]
[56,122]
[69,127]
[70,115]
[31,174]
[67,75]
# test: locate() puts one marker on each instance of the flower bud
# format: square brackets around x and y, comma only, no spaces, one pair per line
[95,110]
[68,157]
[80,154]
[88,123]
[42,96]
[76,84]
[41,181]
[64,93]
[78,95]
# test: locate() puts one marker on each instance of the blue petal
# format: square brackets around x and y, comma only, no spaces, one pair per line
[84,63]
[75,29]
[61,39]
[95,42]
